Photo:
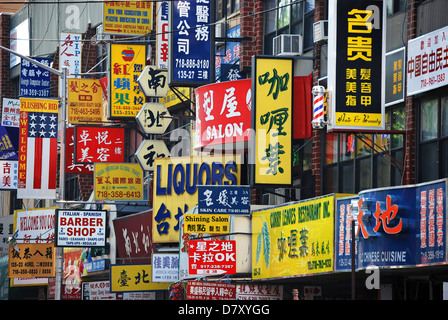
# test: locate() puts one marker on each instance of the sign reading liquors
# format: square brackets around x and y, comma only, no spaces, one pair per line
[224,199]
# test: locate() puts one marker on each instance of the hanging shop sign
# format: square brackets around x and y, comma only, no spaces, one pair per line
[98,144]
[6,231]
[133,237]
[127,18]
[80,228]
[165,267]
[214,257]
[70,165]
[385,233]
[293,240]
[148,151]
[227,66]
[30,260]
[191,55]
[162,39]
[272,118]
[35,225]
[126,63]
[426,63]
[8,174]
[99,290]
[259,292]
[9,143]
[356,47]
[118,181]
[133,277]
[206,223]
[34,80]
[223,113]
[85,100]
[70,53]
[226,200]
[395,76]
[153,82]
[154,118]
[10,112]
[200,290]
[176,96]
[175,188]
[38,151]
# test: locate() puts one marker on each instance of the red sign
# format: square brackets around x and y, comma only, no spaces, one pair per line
[70,165]
[223,113]
[99,144]
[212,257]
[198,290]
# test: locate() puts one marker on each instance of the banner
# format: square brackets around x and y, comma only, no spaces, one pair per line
[8,174]
[356,47]
[162,41]
[31,260]
[70,165]
[200,290]
[38,149]
[293,240]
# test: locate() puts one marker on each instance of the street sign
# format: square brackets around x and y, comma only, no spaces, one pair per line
[148,151]
[154,118]
[153,82]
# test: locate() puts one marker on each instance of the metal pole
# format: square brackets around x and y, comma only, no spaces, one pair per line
[352,252]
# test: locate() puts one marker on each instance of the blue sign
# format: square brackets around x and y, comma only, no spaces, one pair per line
[191,52]
[34,80]
[400,226]
[9,143]
[224,199]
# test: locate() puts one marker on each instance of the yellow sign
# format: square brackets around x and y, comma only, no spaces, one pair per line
[31,260]
[206,223]
[127,62]
[293,240]
[127,17]
[175,188]
[118,181]
[133,277]
[171,98]
[85,100]
[273,121]
[38,105]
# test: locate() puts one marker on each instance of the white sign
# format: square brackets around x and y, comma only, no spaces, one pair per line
[8,174]
[10,112]
[427,62]
[6,231]
[99,290]
[80,228]
[20,42]
[162,35]
[154,118]
[165,267]
[35,225]
[259,292]
[148,151]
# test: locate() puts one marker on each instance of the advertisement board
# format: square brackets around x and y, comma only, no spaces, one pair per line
[212,257]
[200,290]
[118,181]
[293,240]
[133,277]
[206,223]
[35,225]
[80,228]
[220,199]
[85,100]
[165,267]
[132,18]
[31,260]
[34,80]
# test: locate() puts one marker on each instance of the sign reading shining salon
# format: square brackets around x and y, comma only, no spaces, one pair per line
[356,49]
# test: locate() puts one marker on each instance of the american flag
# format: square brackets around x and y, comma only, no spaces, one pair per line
[38,155]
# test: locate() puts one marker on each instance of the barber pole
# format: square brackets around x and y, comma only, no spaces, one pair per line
[318,121]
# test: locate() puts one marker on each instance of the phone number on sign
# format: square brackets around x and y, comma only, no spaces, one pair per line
[432,80]
[118,194]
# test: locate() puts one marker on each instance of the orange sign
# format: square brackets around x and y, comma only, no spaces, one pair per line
[31,260]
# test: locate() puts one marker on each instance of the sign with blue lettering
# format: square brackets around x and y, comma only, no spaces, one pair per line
[224,199]
[190,47]
[34,80]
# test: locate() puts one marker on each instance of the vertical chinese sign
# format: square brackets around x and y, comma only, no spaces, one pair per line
[356,49]
[162,35]
[127,62]
[38,149]
[70,53]
[272,82]
[85,100]
[191,44]
[395,76]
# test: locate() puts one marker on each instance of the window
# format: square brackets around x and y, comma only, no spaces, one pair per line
[395,6]
[225,8]
[288,17]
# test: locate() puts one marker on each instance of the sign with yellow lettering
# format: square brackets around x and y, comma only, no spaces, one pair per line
[206,223]
[118,181]
[30,260]
[293,240]
[272,82]
[356,47]
[133,277]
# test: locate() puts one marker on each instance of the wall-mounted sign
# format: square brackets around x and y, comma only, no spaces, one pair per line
[32,260]
[206,223]
[162,34]
[130,18]
[224,199]
[212,257]
[165,267]
[190,46]
[395,76]
[80,228]
[70,165]
[126,63]
[10,112]
[272,119]
[200,290]
[133,277]
[118,181]
[85,100]
[34,80]
[356,47]
[35,225]
[8,174]
[70,53]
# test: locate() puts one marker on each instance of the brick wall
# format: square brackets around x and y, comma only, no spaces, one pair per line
[251,26]
[6,86]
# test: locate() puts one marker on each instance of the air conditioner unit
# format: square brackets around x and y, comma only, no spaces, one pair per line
[320,31]
[288,45]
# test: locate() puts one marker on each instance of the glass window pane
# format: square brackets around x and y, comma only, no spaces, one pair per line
[296,12]
[332,148]
[429,162]
[346,178]
[283,13]
[444,116]
[398,123]
[307,156]
[363,145]
[396,175]
[365,174]
[269,16]
[309,5]
[330,180]
[347,145]
[382,175]
[429,120]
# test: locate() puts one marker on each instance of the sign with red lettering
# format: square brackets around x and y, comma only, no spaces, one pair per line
[80,228]
[200,290]
[212,257]
[98,144]
[223,113]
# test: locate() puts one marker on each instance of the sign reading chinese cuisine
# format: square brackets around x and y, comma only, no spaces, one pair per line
[224,199]
[38,152]
[98,144]
[427,62]
[190,45]
[30,260]
[118,181]
[223,113]
[213,257]
[206,223]
[85,100]
[80,228]
[126,63]
[356,45]
[127,18]
[133,277]
[294,239]
[272,120]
